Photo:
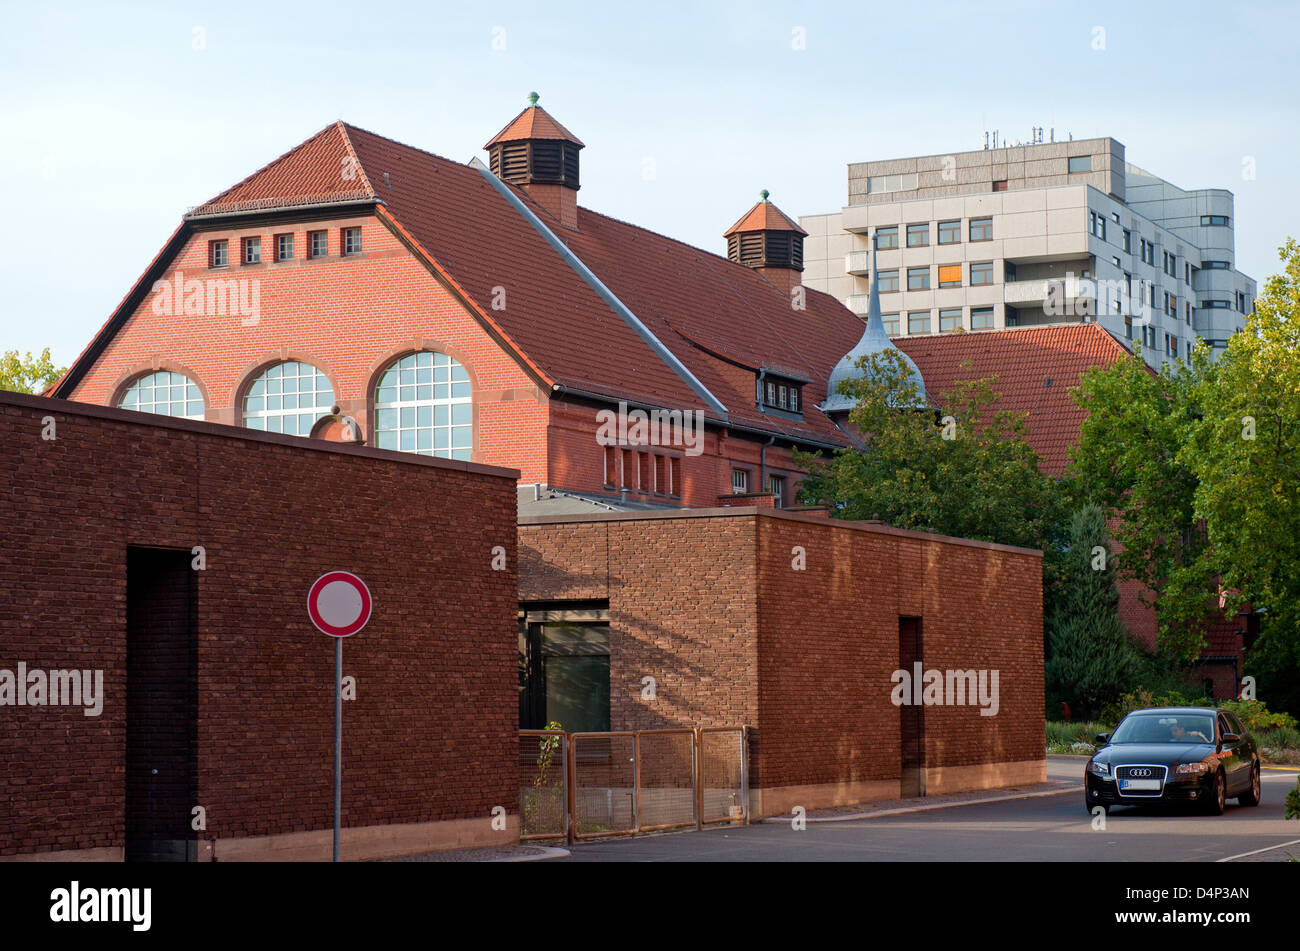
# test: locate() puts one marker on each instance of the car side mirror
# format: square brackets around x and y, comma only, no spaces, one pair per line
[1103,738]
[1230,738]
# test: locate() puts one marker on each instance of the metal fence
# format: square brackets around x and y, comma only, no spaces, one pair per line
[589,785]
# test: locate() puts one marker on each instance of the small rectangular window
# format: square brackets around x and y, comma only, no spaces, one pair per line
[887,238]
[1216,221]
[981,273]
[318,246]
[918,278]
[981,318]
[739,481]
[1000,185]
[950,275]
[1114,261]
[981,229]
[611,467]
[950,232]
[218,253]
[950,320]
[284,247]
[887,281]
[351,241]
[661,477]
[918,322]
[252,250]
[891,324]
[1081,163]
[674,476]
[918,236]
[776,485]
[1128,241]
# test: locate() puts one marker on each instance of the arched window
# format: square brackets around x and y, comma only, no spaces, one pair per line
[171,394]
[288,398]
[423,404]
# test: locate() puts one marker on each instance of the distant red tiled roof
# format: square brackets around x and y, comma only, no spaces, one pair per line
[1036,367]
[764,216]
[321,170]
[533,123]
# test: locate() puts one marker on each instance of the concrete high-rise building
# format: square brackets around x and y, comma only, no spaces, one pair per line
[1026,235]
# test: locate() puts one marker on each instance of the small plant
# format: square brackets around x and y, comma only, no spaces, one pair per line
[542,807]
[1256,717]
[1293,802]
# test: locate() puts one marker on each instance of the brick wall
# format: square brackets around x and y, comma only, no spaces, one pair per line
[713,606]
[431,738]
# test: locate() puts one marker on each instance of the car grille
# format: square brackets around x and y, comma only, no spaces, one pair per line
[1148,779]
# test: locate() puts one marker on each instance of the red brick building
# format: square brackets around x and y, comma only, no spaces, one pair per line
[213,689]
[794,626]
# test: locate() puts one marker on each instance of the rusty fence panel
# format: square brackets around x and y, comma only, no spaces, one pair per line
[723,775]
[666,780]
[590,785]
[544,784]
[603,777]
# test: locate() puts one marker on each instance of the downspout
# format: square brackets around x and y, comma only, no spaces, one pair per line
[762,464]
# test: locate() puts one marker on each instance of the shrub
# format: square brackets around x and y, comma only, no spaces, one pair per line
[1293,802]
[1256,717]
[1140,698]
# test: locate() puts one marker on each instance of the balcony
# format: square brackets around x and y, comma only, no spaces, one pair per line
[858,262]
[1039,291]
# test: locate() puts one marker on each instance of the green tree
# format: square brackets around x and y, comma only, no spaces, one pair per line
[1091,660]
[968,472]
[29,374]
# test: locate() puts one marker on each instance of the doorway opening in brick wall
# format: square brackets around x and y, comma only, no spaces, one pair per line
[564,666]
[161,705]
[911,716]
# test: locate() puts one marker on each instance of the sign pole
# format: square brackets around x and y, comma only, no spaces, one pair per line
[338,740]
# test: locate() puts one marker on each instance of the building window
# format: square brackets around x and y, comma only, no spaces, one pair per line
[1187,306]
[1171,305]
[1148,252]
[351,241]
[780,394]
[1080,163]
[891,324]
[892,183]
[739,481]
[318,244]
[1187,272]
[981,229]
[611,467]
[887,281]
[1000,185]
[950,275]
[252,250]
[423,404]
[918,322]
[1128,241]
[981,273]
[1215,305]
[1097,224]
[1215,265]
[1216,221]
[887,238]
[950,320]
[981,318]
[284,247]
[950,232]
[218,253]
[288,398]
[918,236]
[776,485]
[1114,261]
[918,278]
[674,476]
[1128,328]
[165,393]
[1241,302]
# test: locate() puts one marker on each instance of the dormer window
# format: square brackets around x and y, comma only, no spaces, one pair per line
[782,394]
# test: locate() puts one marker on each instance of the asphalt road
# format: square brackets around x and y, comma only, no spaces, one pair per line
[1043,829]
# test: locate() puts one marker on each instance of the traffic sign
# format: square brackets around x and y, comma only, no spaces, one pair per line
[339,603]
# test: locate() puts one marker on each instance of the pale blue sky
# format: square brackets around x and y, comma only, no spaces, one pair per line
[114,123]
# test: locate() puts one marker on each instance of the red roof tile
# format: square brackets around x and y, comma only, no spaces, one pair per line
[764,216]
[1036,367]
[533,123]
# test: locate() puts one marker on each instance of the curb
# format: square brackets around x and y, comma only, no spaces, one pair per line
[548,852]
[930,808]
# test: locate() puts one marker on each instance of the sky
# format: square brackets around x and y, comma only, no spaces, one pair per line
[117,118]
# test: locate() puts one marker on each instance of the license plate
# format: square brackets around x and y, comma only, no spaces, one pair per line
[1139,784]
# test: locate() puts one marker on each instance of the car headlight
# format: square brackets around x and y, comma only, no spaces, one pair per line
[1190,769]
[1099,769]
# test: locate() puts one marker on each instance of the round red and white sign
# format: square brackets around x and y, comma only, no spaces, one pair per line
[339,603]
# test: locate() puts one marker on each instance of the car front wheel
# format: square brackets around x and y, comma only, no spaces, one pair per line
[1219,795]
[1251,797]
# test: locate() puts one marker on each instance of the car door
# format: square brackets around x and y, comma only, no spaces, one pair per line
[1246,749]
[1230,756]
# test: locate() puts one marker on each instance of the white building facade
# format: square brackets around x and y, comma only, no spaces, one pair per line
[1050,233]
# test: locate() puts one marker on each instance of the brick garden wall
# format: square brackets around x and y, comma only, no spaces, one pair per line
[430,742]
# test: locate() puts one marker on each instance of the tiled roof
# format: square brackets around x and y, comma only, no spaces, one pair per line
[1036,367]
[764,216]
[533,123]
[683,329]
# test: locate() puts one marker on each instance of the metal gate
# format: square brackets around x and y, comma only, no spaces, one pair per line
[591,785]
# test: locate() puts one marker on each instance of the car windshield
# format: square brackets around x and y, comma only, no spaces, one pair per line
[1171,728]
